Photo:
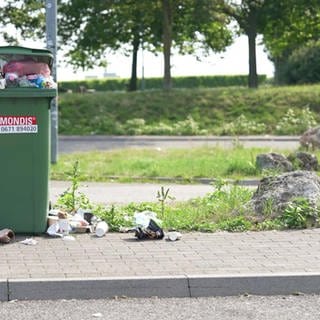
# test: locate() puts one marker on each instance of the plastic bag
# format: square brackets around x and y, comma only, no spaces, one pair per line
[147,226]
[153,231]
[26,67]
[142,218]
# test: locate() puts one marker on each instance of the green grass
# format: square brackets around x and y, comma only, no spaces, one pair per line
[185,164]
[228,110]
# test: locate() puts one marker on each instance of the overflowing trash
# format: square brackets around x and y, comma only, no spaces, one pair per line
[61,224]
[6,236]
[26,66]
[25,73]
[147,226]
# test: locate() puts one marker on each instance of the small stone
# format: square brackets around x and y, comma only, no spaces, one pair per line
[273,161]
[311,138]
[304,161]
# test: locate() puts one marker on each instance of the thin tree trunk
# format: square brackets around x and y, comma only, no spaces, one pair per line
[133,79]
[167,41]
[253,77]
[279,62]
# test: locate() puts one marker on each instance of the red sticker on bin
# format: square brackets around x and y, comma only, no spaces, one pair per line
[18,124]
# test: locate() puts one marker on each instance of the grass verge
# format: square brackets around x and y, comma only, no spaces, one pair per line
[147,164]
[222,209]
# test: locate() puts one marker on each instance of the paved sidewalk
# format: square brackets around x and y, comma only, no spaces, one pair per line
[119,254]
[200,264]
[120,193]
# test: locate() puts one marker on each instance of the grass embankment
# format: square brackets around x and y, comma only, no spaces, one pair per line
[234,110]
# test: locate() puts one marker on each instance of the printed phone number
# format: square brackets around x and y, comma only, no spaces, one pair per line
[18,129]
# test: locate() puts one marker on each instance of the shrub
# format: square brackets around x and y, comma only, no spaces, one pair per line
[187,127]
[299,214]
[303,65]
[242,125]
[294,123]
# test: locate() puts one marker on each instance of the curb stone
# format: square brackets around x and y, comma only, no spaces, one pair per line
[3,290]
[48,289]
[285,284]
[166,286]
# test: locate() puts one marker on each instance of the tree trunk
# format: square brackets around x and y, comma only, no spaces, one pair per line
[133,79]
[167,41]
[253,77]
[279,64]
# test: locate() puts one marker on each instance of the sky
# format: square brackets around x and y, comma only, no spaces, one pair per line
[233,61]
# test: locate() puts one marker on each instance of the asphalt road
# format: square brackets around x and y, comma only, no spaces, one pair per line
[68,144]
[305,307]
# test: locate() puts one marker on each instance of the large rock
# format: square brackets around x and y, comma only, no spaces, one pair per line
[311,138]
[273,161]
[275,193]
[304,161]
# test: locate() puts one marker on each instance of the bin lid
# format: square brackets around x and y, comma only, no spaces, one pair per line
[27,93]
[17,52]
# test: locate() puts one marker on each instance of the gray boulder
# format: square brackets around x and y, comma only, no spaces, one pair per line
[304,161]
[275,193]
[311,138]
[273,161]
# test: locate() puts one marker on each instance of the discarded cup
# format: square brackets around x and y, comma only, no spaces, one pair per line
[174,236]
[52,220]
[2,83]
[101,228]
[64,226]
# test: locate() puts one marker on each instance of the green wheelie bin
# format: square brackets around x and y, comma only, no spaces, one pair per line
[25,148]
